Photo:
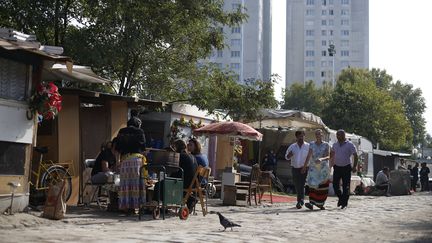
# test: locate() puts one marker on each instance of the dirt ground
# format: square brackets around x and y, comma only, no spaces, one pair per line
[367,219]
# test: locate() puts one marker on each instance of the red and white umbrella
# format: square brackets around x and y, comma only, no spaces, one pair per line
[232,129]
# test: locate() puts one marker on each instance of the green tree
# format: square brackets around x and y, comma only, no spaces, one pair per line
[382,79]
[359,106]
[414,106]
[307,97]
[49,20]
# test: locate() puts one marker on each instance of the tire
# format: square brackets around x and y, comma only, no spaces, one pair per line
[156,213]
[56,173]
[184,213]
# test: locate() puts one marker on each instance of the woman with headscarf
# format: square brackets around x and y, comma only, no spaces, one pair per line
[319,172]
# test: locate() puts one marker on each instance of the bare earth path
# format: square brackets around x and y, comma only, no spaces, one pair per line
[367,219]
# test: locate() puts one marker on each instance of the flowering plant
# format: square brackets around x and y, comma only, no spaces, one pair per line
[46,101]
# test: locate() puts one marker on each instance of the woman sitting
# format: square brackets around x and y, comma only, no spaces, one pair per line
[105,163]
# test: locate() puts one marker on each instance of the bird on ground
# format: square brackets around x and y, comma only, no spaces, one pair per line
[226,223]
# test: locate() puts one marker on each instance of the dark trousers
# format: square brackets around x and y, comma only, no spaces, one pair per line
[344,173]
[299,183]
[414,184]
[424,184]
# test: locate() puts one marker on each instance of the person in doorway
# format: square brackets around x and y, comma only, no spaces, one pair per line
[299,153]
[270,161]
[424,177]
[340,160]
[382,180]
[414,177]
[105,163]
[319,171]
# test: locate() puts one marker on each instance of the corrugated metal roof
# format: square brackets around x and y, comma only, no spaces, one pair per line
[77,74]
[390,153]
[30,47]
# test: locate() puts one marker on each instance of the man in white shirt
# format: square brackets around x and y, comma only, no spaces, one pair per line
[299,153]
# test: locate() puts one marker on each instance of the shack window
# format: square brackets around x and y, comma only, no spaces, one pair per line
[13,77]
[12,158]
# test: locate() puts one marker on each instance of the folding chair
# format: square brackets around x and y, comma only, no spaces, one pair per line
[97,193]
[196,189]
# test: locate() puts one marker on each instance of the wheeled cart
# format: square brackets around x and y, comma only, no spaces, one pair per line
[168,191]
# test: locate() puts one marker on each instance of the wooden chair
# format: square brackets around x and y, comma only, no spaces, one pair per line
[265,184]
[196,189]
[251,186]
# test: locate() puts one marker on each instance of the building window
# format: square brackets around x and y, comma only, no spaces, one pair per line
[310,12]
[310,64]
[220,53]
[323,64]
[323,22]
[235,53]
[323,32]
[324,43]
[235,65]
[323,12]
[323,73]
[330,2]
[235,30]
[323,53]
[13,80]
[344,32]
[331,32]
[309,33]
[344,2]
[309,74]
[331,22]
[310,43]
[310,2]
[235,42]
[324,2]
[331,12]
[310,53]
[344,64]
[344,43]
[344,12]
[344,22]
[345,53]
[236,6]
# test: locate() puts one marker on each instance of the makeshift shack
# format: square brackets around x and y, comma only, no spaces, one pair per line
[21,66]
[278,128]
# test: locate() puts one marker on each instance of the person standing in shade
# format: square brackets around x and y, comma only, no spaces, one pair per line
[134,119]
[340,160]
[414,177]
[299,153]
[424,177]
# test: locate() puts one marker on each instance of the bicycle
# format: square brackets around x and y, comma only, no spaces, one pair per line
[49,172]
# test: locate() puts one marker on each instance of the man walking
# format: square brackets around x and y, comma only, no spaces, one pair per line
[340,159]
[299,153]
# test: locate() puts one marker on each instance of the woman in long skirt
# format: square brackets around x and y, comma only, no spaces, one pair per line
[319,172]
[131,143]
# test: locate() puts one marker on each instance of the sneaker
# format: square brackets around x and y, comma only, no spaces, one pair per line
[344,206]
[298,205]
[339,203]
[321,207]
[302,202]
[309,205]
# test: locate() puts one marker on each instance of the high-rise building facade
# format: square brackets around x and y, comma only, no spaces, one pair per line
[325,36]
[248,52]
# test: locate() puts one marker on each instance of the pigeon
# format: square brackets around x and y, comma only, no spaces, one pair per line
[226,223]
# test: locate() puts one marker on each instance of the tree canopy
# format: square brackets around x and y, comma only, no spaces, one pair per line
[359,106]
[148,48]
